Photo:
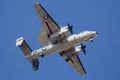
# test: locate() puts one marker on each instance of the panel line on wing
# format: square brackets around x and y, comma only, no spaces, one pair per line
[48,27]
[49,16]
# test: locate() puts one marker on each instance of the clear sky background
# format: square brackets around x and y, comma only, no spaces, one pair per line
[19,18]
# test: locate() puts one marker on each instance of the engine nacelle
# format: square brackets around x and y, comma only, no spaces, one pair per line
[61,34]
[71,52]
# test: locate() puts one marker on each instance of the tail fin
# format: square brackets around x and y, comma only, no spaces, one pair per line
[25,48]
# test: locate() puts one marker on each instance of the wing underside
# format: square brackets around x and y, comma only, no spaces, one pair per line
[77,65]
[49,25]
[74,60]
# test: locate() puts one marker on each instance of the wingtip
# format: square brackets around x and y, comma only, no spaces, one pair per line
[37,4]
[19,41]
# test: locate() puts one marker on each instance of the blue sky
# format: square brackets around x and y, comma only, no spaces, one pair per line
[19,18]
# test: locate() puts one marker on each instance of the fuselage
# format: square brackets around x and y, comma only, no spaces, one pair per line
[64,45]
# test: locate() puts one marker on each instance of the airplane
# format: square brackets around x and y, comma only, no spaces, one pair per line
[55,38]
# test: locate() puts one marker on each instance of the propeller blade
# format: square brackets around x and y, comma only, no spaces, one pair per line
[70,28]
[83,48]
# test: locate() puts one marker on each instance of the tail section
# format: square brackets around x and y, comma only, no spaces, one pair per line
[21,43]
[25,48]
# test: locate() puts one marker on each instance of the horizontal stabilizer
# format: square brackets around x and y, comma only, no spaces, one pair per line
[21,43]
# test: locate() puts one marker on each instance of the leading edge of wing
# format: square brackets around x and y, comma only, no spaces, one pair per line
[81,64]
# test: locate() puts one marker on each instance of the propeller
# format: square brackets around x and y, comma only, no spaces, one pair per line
[83,48]
[70,27]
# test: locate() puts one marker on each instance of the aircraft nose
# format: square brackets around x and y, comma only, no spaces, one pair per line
[95,33]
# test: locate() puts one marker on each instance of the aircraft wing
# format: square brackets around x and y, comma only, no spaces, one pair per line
[75,62]
[49,25]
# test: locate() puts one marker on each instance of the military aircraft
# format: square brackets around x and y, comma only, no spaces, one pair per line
[55,38]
